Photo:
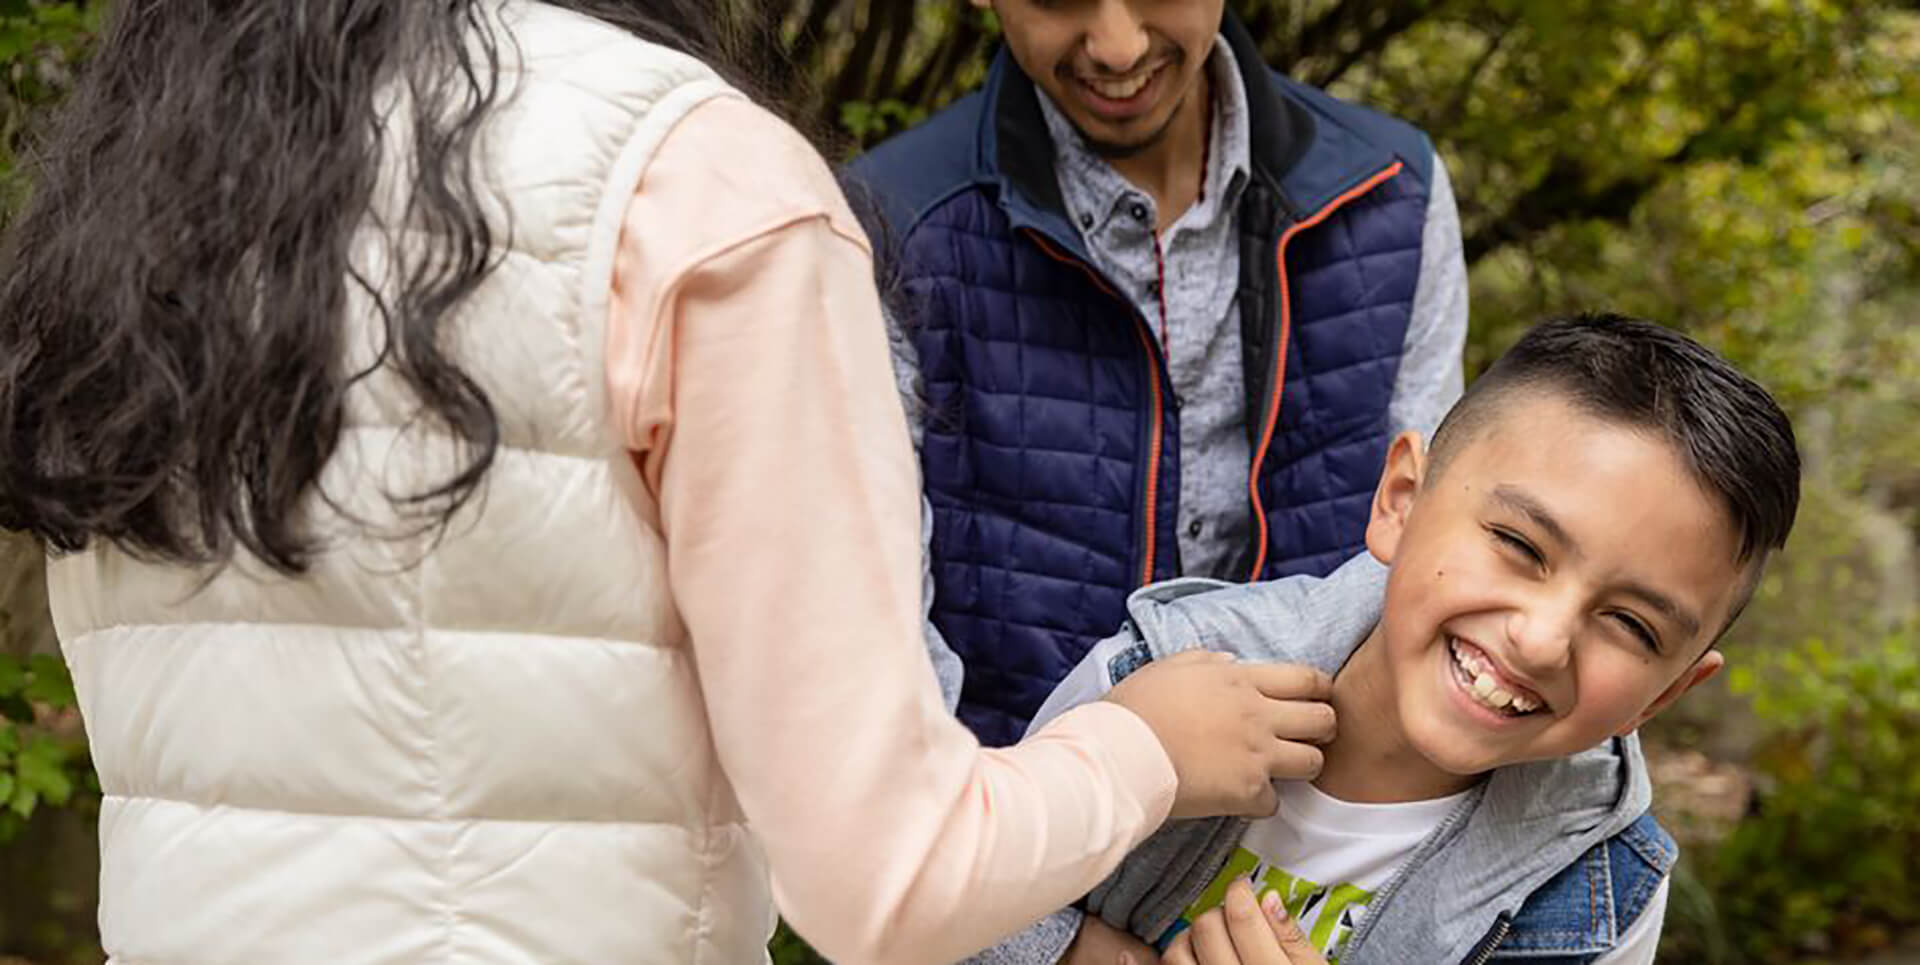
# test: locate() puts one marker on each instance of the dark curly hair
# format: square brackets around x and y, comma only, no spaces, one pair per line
[171,319]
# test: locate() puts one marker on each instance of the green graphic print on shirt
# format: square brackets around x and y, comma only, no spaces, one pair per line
[1326,912]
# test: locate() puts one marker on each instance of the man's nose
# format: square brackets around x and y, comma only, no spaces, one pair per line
[1117,39]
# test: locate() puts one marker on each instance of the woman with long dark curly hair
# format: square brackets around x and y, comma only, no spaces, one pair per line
[476,496]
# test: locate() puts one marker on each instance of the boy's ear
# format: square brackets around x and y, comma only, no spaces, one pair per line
[1393,498]
[1702,670]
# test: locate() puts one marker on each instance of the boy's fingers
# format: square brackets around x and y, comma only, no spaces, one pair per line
[1290,681]
[1211,943]
[1181,951]
[1253,936]
[1294,943]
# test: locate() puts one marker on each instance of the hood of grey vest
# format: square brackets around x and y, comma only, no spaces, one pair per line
[1522,825]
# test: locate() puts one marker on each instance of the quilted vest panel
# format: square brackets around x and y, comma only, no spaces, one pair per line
[1043,408]
[1035,454]
[1351,281]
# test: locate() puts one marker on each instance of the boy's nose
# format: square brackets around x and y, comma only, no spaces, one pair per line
[1117,38]
[1542,638]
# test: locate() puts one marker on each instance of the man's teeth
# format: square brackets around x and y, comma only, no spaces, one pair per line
[1118,90]
[1487,690]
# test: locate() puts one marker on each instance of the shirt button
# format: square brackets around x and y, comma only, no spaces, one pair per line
[1193,529]
[1139,211]
[1153,288]
[1086,221]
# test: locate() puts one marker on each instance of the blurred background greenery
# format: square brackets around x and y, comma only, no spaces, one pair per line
[1748,170]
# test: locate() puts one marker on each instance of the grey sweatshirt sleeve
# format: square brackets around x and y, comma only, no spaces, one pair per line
[906,376]
[946,664]
[1044,943]
[1430,377]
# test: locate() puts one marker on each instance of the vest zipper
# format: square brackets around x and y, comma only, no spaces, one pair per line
[1429,846]
[1155,374]
[1271,416]
[1492,941]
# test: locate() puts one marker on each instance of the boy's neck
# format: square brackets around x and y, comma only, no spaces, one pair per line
[1370,760]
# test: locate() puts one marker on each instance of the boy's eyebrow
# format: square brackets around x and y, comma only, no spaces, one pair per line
[1520,502]
[1689,624]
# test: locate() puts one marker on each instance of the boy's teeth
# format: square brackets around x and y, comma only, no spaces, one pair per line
[1486,689]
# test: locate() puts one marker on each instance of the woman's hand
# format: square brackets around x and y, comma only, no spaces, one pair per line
[1231,729]
[1243,932]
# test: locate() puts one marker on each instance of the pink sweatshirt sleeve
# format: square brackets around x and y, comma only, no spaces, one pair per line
[749,370]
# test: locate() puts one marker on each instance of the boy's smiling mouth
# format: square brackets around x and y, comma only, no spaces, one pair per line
[1486,685]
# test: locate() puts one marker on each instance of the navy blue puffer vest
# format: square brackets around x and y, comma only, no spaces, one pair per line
[1051,449]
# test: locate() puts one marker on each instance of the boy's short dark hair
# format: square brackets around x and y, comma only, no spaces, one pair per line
[1732,433]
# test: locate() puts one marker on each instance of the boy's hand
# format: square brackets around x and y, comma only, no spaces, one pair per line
[1099,943]
[1244,932]
[1230,728]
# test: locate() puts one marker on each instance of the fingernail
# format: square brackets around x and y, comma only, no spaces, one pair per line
[1126,958]
[1272,905]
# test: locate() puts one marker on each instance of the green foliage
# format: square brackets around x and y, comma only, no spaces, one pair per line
[788,948]
[41,762]
[40,42]
[1830,864]
[871,121]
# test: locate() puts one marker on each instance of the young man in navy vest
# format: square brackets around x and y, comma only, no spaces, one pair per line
[1166,309]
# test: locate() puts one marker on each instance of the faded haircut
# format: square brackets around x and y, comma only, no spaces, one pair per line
[1731,433]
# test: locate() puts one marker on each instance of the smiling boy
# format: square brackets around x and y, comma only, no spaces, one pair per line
[1588,521]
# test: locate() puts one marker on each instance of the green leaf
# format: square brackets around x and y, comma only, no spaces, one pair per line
[41,768]
[51,684]
[24,801]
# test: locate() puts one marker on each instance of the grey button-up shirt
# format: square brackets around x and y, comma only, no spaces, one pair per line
[1184,283]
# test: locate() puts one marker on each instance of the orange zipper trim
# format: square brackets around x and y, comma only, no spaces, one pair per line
[1280,351]
[1159,404]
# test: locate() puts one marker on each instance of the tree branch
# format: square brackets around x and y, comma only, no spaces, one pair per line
[1456,107]
[899,26]
[1374,40]
[1567,192]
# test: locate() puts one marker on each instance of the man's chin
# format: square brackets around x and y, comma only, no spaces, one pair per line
[1119,147]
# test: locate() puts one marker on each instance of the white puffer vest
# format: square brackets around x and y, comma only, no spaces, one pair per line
[486,748]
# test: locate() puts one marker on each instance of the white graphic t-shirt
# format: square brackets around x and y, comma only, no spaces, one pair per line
[1326,857]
